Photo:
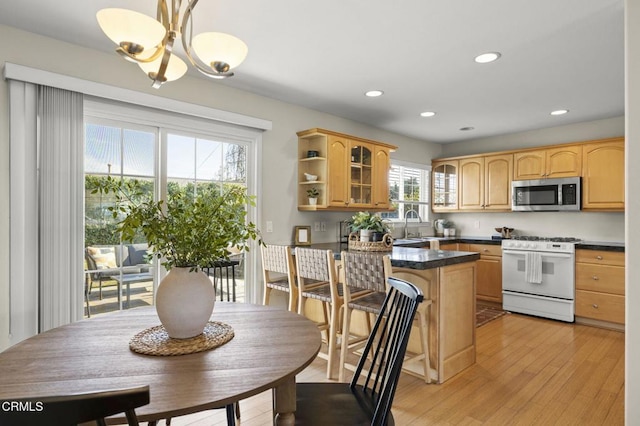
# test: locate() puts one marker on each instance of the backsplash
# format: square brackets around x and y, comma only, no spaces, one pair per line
[592,226]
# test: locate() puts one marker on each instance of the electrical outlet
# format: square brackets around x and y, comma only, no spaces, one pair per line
[323,226]
[316,226]
[477,224]
[269,226]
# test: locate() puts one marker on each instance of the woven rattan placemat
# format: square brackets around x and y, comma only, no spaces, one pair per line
[156,341]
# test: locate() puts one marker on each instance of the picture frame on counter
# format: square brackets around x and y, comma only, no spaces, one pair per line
[302,235]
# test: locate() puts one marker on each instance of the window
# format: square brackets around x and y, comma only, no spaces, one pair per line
[161,154]
[409,191]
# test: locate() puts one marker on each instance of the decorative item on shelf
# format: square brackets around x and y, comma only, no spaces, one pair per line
[312,154]
[313,193]
[187,232]
[310,178]
[370,226]
[385,243]
[149,42]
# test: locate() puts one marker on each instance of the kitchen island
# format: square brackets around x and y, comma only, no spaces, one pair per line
[448,278]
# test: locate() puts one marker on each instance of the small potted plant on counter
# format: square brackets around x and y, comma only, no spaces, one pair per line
[371,226]
[449,228]
[313,193]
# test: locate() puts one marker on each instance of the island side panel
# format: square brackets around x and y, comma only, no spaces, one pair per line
[426,280]
[457,322]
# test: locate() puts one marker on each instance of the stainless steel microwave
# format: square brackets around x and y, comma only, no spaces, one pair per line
[561,194]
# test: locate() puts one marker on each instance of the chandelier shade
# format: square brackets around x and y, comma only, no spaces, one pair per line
[212,48]
[150,42]
[176,67]
[127,26]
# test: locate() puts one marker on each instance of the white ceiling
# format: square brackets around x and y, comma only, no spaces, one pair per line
[325,54]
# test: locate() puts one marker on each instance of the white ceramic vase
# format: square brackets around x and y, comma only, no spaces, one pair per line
[184,302]
[313,201]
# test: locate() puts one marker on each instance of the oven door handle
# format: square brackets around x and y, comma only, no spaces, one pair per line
[543,254]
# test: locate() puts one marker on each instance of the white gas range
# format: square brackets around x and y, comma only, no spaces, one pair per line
[538,276]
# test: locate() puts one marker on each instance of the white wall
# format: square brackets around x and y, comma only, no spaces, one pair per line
[632,108]
[279,151]
[597,129]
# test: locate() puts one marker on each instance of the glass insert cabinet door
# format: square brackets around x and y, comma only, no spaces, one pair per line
[361,174]
[445,186]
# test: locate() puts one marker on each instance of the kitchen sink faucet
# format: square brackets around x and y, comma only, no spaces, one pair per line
[406,217]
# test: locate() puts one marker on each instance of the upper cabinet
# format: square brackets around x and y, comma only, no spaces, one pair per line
[483,182]
[603,175]
[353,173]
[555,162]
[444,184]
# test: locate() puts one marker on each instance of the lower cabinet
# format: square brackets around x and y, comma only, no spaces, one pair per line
[600,293]
[489,272]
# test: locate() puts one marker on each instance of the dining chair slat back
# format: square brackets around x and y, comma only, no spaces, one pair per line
[368,398]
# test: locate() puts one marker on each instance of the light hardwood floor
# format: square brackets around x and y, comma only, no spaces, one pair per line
[529,371]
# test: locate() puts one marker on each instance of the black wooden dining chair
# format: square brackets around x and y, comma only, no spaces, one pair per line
[68,410]
[367,399]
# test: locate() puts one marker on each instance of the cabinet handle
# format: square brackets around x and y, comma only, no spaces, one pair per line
[595,278]
[595,306]
[485,250]
[599,257]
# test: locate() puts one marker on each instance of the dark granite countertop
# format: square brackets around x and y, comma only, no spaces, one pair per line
[600,245]
[587,245]
[415,258]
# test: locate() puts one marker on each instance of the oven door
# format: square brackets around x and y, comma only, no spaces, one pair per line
[558,274]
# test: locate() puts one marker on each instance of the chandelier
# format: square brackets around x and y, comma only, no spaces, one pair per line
[149,42]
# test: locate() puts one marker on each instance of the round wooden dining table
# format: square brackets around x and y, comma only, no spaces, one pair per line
[270,346]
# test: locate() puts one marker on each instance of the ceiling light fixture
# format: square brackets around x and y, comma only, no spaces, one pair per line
[559,112]
[427,114]
[374,93]
[466,129]
[487,57]
[149,42]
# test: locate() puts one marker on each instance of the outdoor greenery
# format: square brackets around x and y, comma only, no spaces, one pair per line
[193,228]
[370,221]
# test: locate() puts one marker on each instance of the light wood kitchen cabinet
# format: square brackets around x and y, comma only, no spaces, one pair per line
[600,292]
[444,186]
[489,272]
[485,182]
[556,162]
[603,175]
[353,173]
[382,166]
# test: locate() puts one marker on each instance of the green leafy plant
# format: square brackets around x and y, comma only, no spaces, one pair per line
[189,230]
[370,221]
[313,192]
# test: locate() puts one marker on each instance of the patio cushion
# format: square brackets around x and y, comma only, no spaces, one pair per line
[104,257]
[137,253]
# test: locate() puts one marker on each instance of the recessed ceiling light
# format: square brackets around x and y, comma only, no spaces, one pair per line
[465,129]
[487,57]
[427,114]
[374,93]
[559,112]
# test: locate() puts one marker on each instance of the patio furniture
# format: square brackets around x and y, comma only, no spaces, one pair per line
[106,260]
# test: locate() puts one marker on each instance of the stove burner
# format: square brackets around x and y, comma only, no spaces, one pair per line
[549,239]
